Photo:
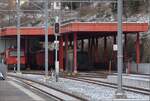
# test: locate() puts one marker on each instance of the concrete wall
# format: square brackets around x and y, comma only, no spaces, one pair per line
[6,43]
[143,68]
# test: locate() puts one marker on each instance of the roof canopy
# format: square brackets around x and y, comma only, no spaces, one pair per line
[107,27]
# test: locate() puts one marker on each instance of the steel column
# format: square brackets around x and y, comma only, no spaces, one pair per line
[89,50]
[66,52]
[61,53]
[26,50]
[18,35]
[93,50]
[114,52]
[75,52]
[105,51]
[96,52]
[82,45]
[138,48]
[124,50]
[125,45]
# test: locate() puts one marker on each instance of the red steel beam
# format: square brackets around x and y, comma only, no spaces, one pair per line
[75,52]
[96,51]
[61,53]
[66,51]
[138,49]
[105,51]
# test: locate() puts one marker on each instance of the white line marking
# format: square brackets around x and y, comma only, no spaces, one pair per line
[26,91]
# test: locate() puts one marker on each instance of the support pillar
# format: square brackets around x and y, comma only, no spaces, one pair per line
[93,50]
[115,53]
[137,50]
[125,58]
[125,45]
[89,49]
[61,54]
[75,53]
[27,52]
[82,45]
[105,51]
[66,52]
[96,52]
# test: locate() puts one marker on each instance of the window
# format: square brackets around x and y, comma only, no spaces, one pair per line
[14,53]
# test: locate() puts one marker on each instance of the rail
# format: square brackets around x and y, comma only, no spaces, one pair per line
[65,94]
[112,85]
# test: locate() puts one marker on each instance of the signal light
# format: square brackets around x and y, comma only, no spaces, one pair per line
[56,27]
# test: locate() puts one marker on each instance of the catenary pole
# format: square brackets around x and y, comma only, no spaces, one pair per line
[120,47]
[18,35]
[46,37]
[119,92]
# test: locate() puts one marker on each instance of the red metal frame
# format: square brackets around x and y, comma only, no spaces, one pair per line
[61,53]
[108,27]
[105,51]
[138,49]
[66,50]
[75,52]
[96,52]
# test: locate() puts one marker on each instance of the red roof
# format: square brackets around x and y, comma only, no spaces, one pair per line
[78,27]
[104,27]
[11,31]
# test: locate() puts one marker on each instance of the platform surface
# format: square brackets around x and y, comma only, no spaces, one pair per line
[9,92]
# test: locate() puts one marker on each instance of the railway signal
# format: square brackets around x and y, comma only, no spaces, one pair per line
[57,28]
[57,6]
[56,48]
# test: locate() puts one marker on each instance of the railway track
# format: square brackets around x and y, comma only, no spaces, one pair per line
[86,77]
[93,75]
[80,74]
[57,94]
[112,85]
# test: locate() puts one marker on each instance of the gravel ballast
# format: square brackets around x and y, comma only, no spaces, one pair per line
[91,92]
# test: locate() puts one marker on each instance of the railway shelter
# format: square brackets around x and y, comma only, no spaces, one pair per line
[72,41]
